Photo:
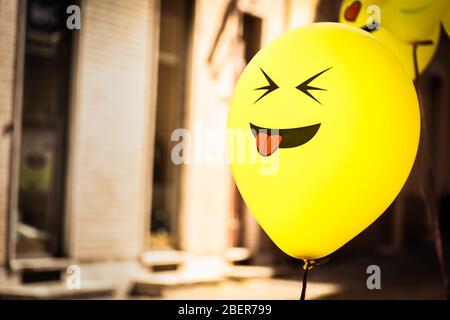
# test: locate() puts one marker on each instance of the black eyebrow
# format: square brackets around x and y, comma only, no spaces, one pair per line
[270,87]
[304,86]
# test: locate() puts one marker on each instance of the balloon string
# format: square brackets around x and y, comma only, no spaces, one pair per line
[308,265]
[416,62]
[415,59]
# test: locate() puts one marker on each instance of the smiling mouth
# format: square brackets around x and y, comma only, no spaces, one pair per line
[415,10]
[269,140]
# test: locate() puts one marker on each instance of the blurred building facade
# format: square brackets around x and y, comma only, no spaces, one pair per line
[75,109]
[86,175]
[87,117]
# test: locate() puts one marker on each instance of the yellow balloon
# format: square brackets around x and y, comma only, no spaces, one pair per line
[403,26]
[323,131]
[413,20]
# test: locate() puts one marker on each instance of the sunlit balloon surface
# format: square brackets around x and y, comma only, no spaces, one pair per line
[329,123]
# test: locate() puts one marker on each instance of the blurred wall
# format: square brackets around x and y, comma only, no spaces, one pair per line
[206,189]
[109,156]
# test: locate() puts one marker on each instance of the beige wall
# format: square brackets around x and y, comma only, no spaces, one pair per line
[110,130]
[8,12]
[205,196]
[206,202]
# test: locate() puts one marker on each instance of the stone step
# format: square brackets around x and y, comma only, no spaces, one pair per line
[40,264]
[170,260]
[236,272]
[56,290]
[237,254]
[154,284]
[196,270]
[163,260]
[36,270]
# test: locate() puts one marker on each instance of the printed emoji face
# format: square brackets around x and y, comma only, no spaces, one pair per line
[268,140]
[413,20]
[334,113]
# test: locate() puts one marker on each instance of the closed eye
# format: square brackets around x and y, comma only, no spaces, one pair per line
[269,88]
[305,87]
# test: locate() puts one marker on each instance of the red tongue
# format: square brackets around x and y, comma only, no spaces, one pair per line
[266,144]
[351,13]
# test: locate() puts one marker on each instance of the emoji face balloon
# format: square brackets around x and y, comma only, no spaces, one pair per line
[323,132]
[413,20]
[406,26]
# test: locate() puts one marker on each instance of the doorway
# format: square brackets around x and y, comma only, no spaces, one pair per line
[176,20]
[38,220]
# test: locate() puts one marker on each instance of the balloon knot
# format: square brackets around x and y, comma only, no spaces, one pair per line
[308,264]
